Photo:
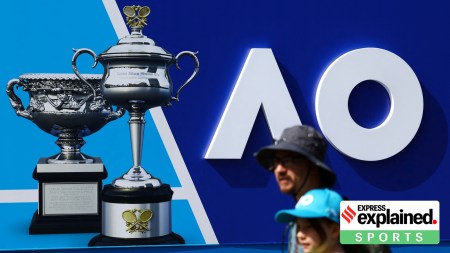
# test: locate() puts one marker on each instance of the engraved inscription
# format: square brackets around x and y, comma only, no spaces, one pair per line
[134,73]
[70,198]
[141,77]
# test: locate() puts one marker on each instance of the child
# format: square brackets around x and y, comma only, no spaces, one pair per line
[317,218]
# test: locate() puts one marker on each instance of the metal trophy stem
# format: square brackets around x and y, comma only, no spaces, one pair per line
[137,176]
[70,145]
[137,124]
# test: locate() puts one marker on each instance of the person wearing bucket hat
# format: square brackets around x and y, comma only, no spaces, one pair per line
[316,215]
[297,160]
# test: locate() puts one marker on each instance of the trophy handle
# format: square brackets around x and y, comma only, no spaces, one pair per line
[15,101]
[197,65]
[79,52]
[119,112]
[97,103]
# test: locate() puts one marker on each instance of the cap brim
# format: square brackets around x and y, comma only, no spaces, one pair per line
[266,154]
[285,216]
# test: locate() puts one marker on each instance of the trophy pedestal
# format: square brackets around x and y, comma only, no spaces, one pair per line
[102,240]
[136,216]
[69,197]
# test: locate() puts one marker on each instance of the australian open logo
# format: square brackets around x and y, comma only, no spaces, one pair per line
[389,222]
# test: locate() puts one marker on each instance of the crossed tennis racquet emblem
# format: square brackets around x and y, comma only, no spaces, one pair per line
[136,15]
[136,220]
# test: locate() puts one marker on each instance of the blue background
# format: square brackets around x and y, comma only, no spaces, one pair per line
[240,197]
[305,36]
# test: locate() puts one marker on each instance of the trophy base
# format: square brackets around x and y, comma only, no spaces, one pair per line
[102,240]
[136,216]
[69,197]
[64,224]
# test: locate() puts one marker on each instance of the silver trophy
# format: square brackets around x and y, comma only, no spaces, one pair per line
[137,206]
[70,181]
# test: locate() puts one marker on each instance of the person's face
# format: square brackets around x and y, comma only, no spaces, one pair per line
[307,236]
[309,239]
[291,171]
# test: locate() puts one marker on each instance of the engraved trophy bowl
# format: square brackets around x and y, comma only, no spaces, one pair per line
[136,77]
[62,105]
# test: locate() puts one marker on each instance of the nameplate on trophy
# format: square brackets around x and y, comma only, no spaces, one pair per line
[70,198]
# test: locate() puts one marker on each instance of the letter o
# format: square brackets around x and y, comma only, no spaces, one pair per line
[383,237]
[403,120]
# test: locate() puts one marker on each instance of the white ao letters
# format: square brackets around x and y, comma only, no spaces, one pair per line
[260,84]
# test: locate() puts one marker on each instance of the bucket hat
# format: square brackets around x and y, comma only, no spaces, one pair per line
[303,140]
[317,203]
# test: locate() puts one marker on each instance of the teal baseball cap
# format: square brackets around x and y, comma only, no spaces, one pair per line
[317,203]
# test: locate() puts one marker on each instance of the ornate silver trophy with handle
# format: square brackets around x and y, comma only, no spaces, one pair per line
[137,206]
[70,181]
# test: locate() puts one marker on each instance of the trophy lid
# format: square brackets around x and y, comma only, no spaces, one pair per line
[136,44]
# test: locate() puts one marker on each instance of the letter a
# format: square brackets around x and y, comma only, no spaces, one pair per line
[260,84]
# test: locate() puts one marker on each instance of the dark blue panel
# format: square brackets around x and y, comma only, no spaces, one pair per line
[305,36]
[241,198]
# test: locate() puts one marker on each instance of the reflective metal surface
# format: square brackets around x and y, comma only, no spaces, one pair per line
[64,106]
[137,79]
[115,223]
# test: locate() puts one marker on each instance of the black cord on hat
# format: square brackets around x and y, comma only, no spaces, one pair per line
[304,181]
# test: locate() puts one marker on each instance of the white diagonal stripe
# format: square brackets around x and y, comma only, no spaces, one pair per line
[18,196]
[24,196]
[188,188]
